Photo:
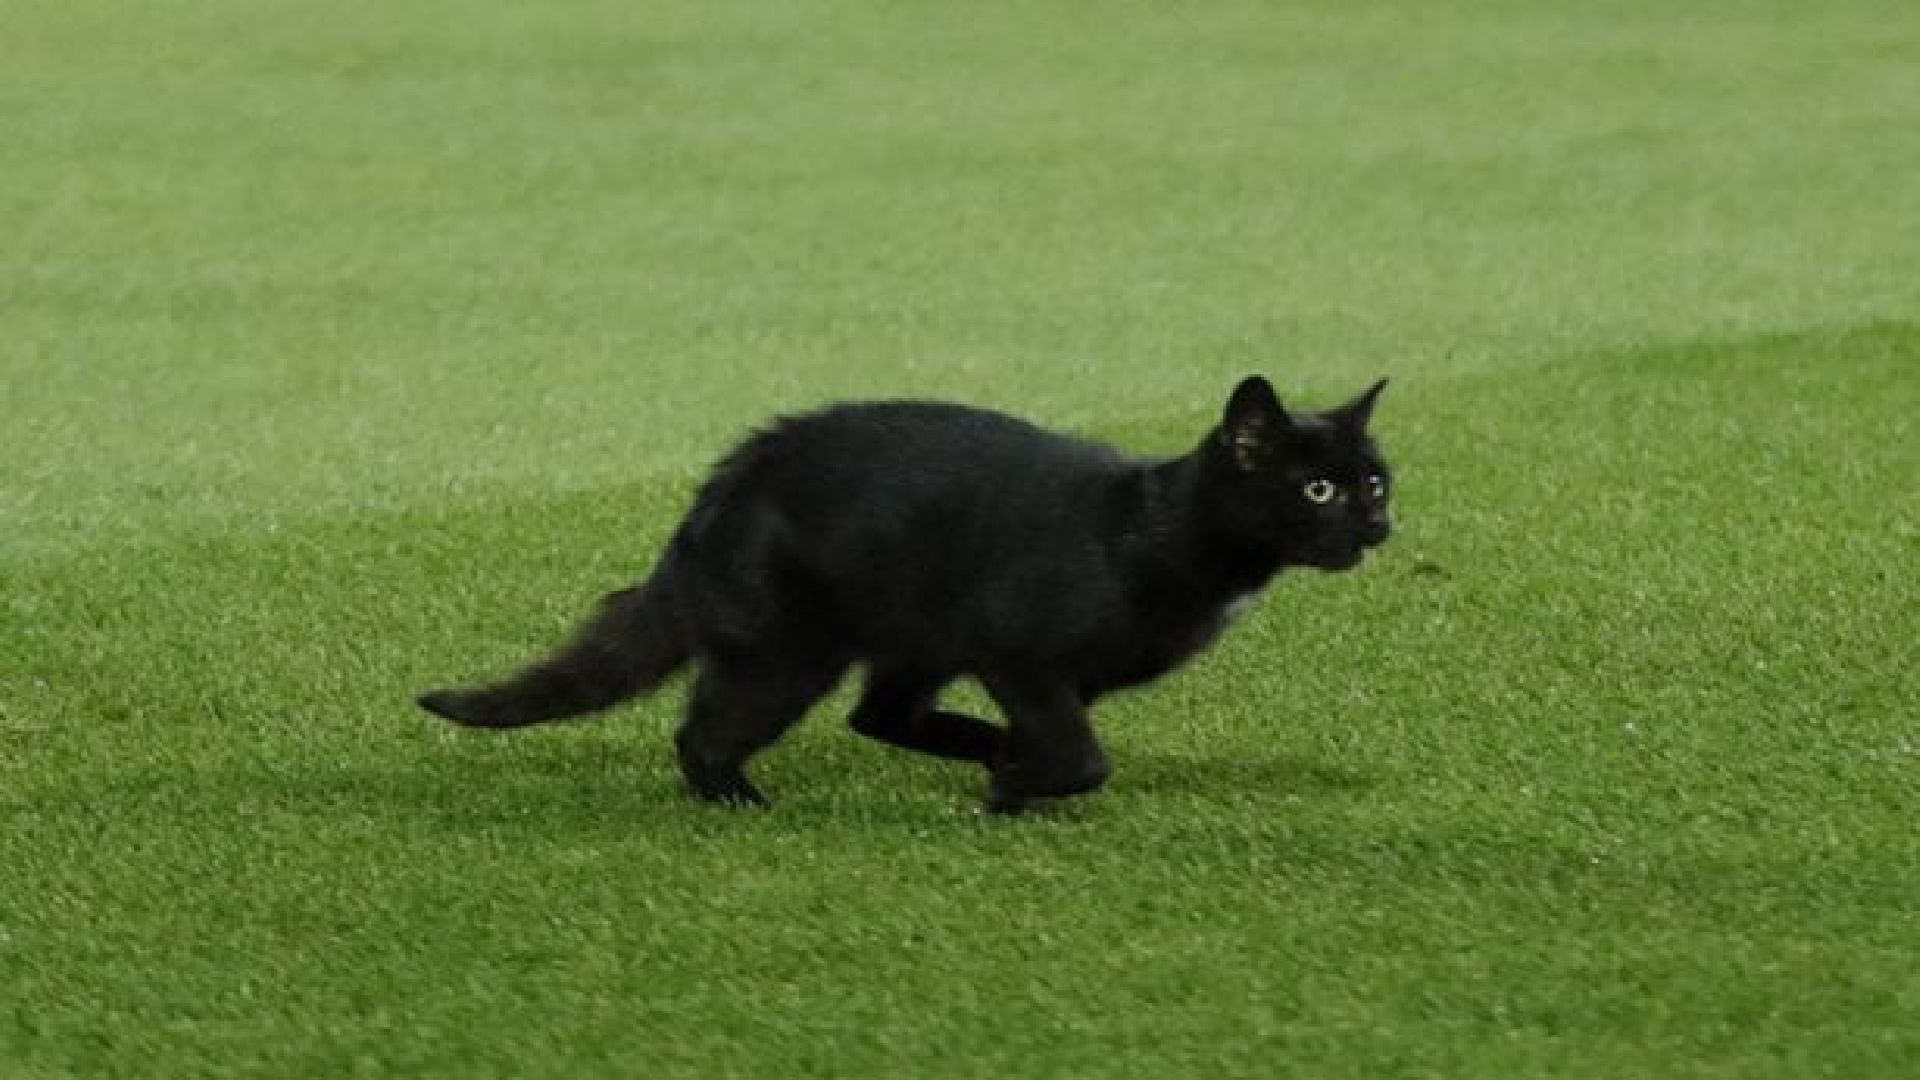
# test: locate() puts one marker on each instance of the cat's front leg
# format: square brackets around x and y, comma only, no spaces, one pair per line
[1051,751]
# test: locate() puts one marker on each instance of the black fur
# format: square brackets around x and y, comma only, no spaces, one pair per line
[931,542]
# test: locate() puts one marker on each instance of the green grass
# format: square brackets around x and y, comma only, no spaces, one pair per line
[351,348]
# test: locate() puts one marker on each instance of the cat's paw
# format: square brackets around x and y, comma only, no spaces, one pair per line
[743,797]
[1003,804]
[724,787]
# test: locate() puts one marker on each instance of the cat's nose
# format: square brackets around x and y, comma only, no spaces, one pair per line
[1374,530]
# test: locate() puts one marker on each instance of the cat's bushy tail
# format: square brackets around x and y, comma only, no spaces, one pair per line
[633,642]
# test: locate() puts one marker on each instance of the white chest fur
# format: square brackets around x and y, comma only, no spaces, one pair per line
[1239,605]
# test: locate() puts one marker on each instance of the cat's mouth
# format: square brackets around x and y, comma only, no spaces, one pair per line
[1335,562]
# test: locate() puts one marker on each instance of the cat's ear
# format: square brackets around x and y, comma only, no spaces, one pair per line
[1254,423]
[1357,412]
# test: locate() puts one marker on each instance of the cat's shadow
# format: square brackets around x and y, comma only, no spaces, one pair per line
[1203,775]
[594,785]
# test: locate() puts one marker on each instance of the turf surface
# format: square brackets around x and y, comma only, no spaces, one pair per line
[350,348]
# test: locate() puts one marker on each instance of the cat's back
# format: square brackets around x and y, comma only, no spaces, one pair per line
[861,473]
[912,445]
[935,427]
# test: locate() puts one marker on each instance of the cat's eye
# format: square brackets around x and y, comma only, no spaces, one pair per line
[1319,491]
[1377,486]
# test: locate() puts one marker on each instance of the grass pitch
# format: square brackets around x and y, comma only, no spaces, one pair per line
[352,348]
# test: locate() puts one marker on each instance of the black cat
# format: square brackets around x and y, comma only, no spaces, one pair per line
[930,542]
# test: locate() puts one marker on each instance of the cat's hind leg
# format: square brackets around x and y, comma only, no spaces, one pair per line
[739,706]
[897,708]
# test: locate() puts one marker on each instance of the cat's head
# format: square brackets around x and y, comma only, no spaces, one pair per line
[1303,489]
